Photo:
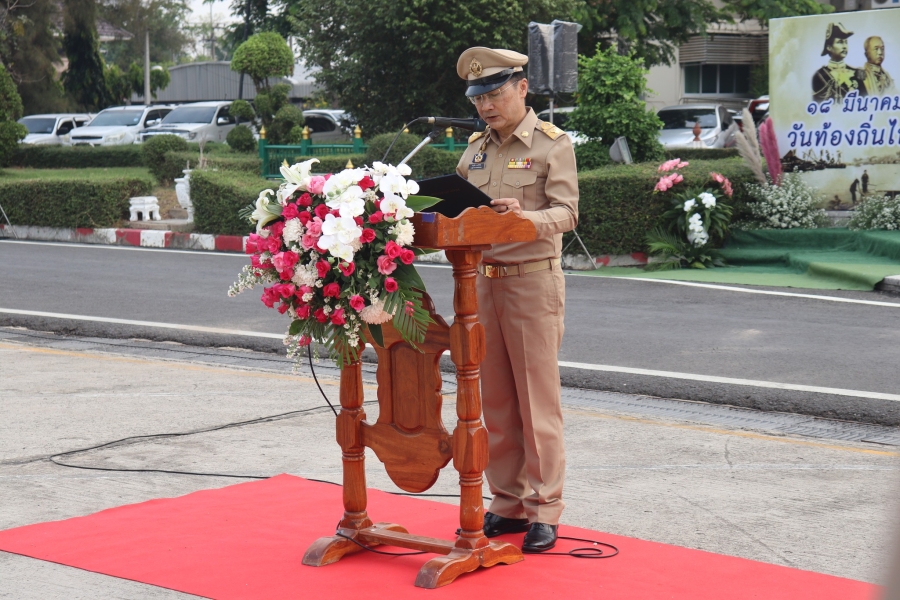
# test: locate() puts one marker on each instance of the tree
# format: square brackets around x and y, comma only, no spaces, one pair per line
[610,87]
[392,60]
[164,19]
[764,10]
[10,110]
[262,56]
[85,78]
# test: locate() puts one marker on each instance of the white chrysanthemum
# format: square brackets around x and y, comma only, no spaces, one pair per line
[374,313]
[404,231]
[262,215]
[707,199]
[690,204]
[305,275]
[293,230]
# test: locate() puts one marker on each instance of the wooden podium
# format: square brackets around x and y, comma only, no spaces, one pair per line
[409,436]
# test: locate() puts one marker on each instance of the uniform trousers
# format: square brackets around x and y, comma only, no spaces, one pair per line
[520,388]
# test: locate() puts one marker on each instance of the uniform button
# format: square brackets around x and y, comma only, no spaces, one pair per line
[517,184]
[495,183]
[499,156]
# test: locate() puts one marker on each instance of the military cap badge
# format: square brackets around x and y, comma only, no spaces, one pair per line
[475,68]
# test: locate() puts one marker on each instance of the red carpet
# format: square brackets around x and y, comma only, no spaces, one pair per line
[247,540]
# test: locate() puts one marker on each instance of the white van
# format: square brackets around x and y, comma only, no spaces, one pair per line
[119,125]
[53,129]
[210,121]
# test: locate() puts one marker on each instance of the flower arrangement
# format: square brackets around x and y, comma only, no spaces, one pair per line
[790,205]
[333,253]
[877,212]
[698,217]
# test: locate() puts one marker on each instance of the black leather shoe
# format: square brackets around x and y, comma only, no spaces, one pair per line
[540,537]
[495,525]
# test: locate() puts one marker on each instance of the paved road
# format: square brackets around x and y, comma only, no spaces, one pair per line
[673,472]
[614,322]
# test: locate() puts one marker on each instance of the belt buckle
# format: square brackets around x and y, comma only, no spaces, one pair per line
[491,272]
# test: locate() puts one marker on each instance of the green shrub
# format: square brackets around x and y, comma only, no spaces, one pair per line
[217,197]
[701,153]
[155,150]
[174,163]
[592,155]
[10,111]
[617,206]
[77,157]
[74,202]
[241,139]
[429,162]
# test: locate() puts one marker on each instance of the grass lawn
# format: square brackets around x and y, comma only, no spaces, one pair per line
[96,173]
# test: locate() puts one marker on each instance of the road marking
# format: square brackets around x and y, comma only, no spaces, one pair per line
[744,290]
[733,381]
[571,365]
[130,248]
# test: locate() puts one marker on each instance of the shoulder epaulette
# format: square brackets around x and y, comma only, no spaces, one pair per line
[551,130]
[475,136]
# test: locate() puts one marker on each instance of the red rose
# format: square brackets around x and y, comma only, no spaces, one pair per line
[305,200]
[390,284]
[392,249]
[357,303]
[367,236]
[323,267]
[290,212]
[270,296]
[303,312]
[283,308]
[332,289]
[320,316]
[327,176]
[359,221]
[407,256]
[285,290]
[277,228]
[376,217]
[302,291]
[366,183]
[322,210]
[252,244]
[304,340]
[304,217]
[347,268]
[337,317]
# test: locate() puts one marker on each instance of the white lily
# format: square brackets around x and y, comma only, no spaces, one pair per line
[338,233]
[263,214]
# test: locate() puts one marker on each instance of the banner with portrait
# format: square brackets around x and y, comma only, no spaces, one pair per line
[835,102]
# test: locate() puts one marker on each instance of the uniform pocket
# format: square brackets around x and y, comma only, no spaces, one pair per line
[518,183]
[480,178]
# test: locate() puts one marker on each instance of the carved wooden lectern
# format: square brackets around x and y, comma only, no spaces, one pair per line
[409,436]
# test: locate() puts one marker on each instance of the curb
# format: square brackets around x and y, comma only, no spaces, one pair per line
[154,238]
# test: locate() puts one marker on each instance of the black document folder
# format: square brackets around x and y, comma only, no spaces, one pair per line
[456,194]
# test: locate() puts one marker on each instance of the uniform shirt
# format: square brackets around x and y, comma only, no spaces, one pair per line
[547,189]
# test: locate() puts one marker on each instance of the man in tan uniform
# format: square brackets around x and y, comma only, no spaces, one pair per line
[528,167]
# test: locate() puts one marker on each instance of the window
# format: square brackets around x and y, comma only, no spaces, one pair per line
[65,127]
[685,117]
[224,117]
[716,79]
[319,124]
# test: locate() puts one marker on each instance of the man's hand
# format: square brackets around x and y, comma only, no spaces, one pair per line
[502,205]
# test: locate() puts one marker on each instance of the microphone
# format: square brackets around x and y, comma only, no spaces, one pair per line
[469,124]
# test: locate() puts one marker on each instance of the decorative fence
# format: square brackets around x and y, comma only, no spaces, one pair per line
[273,156]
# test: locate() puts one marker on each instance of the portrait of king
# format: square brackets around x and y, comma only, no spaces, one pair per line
[873,79]
[835,80]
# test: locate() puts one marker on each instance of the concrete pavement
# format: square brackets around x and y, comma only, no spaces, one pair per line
[815,503]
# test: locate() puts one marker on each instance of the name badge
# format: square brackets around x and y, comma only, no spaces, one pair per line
[477,161]
[519,163]
[474,166]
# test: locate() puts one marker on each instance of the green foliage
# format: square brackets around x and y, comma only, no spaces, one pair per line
[76,201]
[173,164]
[617,206]
[241,109]
[609,104]
[677,252]
[241,139]
[85,77]
[701,153]
[155,150]
[877,212]
[164,19]
[263,55]
[123,84]
[285,120]
[759,79]
[218,197]
[763,10]
[10,110]
[77,157]
[429,162]
[592,155]
[392,60]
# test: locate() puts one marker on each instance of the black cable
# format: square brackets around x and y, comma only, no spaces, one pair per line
[370,548]
[396,137]
[313,371]
[586,552]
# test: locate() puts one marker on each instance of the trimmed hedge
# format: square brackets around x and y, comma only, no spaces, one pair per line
[174,163]
[75,202]
[77,157]
[217,197]
[701,153]
[429,162]
[617,206]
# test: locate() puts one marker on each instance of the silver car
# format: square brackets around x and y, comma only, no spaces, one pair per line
[195,122]
[717,128]
[52,129]
[328,125]
[118,125]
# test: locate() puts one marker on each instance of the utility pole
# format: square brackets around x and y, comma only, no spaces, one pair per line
[246,33]
[147,67]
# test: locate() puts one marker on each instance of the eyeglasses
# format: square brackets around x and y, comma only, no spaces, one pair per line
[492,96]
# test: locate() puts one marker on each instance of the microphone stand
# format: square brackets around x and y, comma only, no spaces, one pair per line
[434,136]
[8,223]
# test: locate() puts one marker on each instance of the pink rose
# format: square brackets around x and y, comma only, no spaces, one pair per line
[386,265]
[270,296]
[337,317]
[277,228]
[252,244]
[390,285]
[315,226]
[316,183]
[302,291]
[285,260]
[305,200]
[270,244]
[322,210]
[367,236]
[347,268]
[407,256]
[357,303]
[304,340]
[392,249]
[376,217]
[309,241]
[290,212]
[304,217]
[332,289]
[303,312]
[320,316]
[283,308]
[323,267]
[285,290]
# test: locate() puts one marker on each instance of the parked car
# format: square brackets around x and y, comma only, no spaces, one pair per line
[196,121]
[759,109]
[53,129]
[328,125]
[118,125]
[560,117]
[717,127]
